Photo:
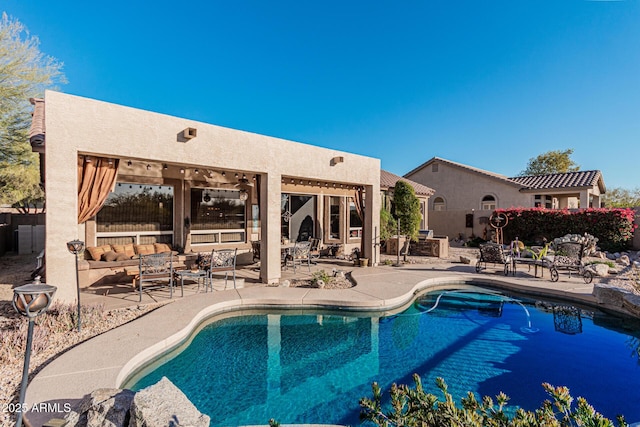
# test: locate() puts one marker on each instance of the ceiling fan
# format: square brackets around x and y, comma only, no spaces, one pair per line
[244,182]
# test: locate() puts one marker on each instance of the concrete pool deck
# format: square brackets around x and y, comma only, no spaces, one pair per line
[107,360]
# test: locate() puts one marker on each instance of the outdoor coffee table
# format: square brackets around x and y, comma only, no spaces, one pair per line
[196,275]
[535,262]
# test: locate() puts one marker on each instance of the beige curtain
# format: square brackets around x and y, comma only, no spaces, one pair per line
[96,178]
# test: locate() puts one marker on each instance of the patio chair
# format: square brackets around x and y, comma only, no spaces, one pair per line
[255,249]
[568,256]
[156,269]
[301,252]
[314,250]
[222,261]
[495,254]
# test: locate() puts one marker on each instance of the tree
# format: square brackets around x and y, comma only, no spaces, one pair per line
[619,197]
[407,211]
[551,162]
[25,72]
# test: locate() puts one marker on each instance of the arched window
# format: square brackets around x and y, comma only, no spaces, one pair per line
[488,203]
[438,204]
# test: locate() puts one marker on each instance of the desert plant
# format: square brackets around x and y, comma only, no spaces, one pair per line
[414,407]
[320,276]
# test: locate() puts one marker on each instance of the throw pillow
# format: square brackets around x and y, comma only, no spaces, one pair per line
[161,247]
[109,256]
[128,250]
[96,252]
[145,249]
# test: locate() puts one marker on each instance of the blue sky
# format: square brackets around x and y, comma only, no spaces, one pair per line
[487,83]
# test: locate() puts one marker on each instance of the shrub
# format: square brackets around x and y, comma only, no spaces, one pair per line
[612,227]
[414,407]
[320,276]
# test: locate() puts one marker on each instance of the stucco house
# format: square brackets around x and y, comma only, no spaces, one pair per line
[118,175]
[388,182]
[466,196]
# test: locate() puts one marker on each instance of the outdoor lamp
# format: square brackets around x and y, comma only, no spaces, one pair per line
[76,247]
[243,195]
[30,301]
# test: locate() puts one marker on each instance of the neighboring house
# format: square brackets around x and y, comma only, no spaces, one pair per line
[118,175]
[465,196]
[388,182]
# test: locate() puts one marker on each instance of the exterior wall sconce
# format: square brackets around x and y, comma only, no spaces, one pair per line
[30,301]
[336,160]
[190,133]
[76,247]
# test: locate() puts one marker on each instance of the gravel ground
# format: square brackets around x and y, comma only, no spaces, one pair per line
[51,333]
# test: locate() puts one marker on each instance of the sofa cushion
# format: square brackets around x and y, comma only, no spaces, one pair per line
[161,247]
[128,250]
[109,256]
[145,249]
[96,252]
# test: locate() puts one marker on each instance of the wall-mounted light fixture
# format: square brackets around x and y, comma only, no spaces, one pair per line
[243,195]
[165,167]
[129,163]
[181,170]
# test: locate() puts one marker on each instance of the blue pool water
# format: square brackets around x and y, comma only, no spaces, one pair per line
[314,368]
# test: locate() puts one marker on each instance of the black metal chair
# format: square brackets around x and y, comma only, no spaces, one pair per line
[495,254]
[568,256]
[156,269]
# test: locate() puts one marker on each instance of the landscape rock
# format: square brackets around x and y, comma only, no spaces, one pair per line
[105,407]
[601,270]
[624,260]
[609,294]
[163,404]
[465,259]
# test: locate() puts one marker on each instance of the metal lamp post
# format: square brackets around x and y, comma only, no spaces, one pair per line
[30,301]
[75,247]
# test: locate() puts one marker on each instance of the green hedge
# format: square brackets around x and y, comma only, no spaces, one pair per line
[613,227]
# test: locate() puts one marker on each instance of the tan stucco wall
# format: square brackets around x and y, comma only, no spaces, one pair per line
[462,189]
[76,125]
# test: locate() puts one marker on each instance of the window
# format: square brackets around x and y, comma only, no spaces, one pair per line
[438,204]
[355,222]
[135,213]
[488,203]
[542,201]
[298,214]
[217,216]
[434,167]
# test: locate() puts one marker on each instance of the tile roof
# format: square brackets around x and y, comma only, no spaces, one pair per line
[388,180]
[560,180]
[565,180]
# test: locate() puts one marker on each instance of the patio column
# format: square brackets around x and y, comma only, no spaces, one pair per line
[270,192]
[371,226]
[584,199]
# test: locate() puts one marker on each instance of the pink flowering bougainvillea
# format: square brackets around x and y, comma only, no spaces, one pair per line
[613,227]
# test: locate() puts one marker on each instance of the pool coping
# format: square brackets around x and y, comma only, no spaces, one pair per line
[107,360]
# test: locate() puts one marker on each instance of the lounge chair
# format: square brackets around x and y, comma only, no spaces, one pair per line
[568,256]
[495,254]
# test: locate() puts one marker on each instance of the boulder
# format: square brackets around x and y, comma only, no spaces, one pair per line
[163,404]
[609,295]
[465,259]
[601,270]
[624,260]
[105,407]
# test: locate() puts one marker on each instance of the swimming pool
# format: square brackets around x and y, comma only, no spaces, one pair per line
[314,367]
